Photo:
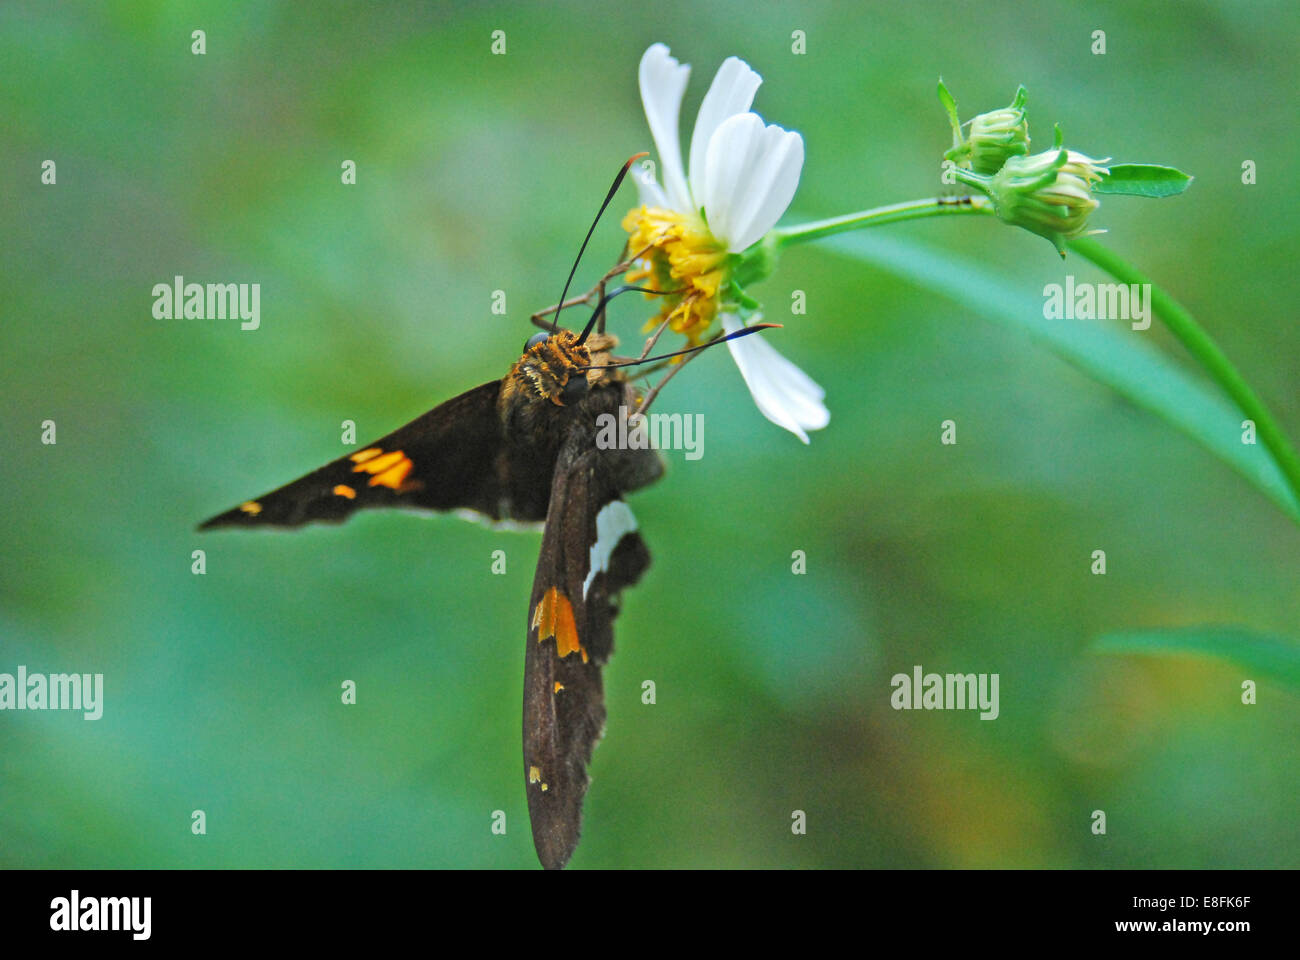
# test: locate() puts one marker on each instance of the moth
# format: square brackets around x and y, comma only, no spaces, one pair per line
[523,448]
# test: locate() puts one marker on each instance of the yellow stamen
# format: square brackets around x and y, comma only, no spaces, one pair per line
[683,257]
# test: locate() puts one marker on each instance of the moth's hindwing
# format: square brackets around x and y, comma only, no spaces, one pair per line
[590,551]
[443,460]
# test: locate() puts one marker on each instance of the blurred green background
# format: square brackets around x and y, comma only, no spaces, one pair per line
[479,172]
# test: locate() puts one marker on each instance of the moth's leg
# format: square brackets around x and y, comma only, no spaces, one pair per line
[538,317]
[624,265]
[654,338]
[600,298]
[597,292]
[645,351]
[654,392]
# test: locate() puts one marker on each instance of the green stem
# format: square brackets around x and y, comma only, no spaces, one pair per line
[1175,317]
[877,216]
[1201,346]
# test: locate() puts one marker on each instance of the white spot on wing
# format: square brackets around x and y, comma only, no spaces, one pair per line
[508,525]
[613,523]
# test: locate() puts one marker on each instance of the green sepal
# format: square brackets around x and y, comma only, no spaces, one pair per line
[950,106]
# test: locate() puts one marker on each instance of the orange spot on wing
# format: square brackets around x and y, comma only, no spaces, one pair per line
[343,490]
[534,774]
[393,476]
[378,464]
[558,686]
[252,508]
[554,618]
[387,469]
[363,455]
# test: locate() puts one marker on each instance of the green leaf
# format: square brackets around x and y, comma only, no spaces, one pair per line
[1265,656]
[950,105]
[1143,180]
[1206,352]
[1109,355]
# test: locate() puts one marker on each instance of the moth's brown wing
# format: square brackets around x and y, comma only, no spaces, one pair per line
[590,551]
[443,460]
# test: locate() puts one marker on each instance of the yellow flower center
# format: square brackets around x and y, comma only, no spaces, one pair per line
[682,262]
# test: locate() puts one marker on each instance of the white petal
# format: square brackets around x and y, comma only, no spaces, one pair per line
[663,81]
[750,175]
[731,93]
[784,394]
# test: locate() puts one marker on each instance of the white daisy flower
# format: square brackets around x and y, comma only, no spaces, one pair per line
[742,176]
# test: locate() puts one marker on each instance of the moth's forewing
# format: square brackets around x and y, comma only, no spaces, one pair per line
[570,632]
[443,460]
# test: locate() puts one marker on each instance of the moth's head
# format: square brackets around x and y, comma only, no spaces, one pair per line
[553,367]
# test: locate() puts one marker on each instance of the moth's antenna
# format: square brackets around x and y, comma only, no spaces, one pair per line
[600,307]
[618,181]
[678,353]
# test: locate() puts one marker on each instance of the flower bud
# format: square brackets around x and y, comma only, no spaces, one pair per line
[995,137]
[1049,193]
[999,135]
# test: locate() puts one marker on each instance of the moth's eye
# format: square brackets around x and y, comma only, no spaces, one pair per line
[535,339]
[575,389]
